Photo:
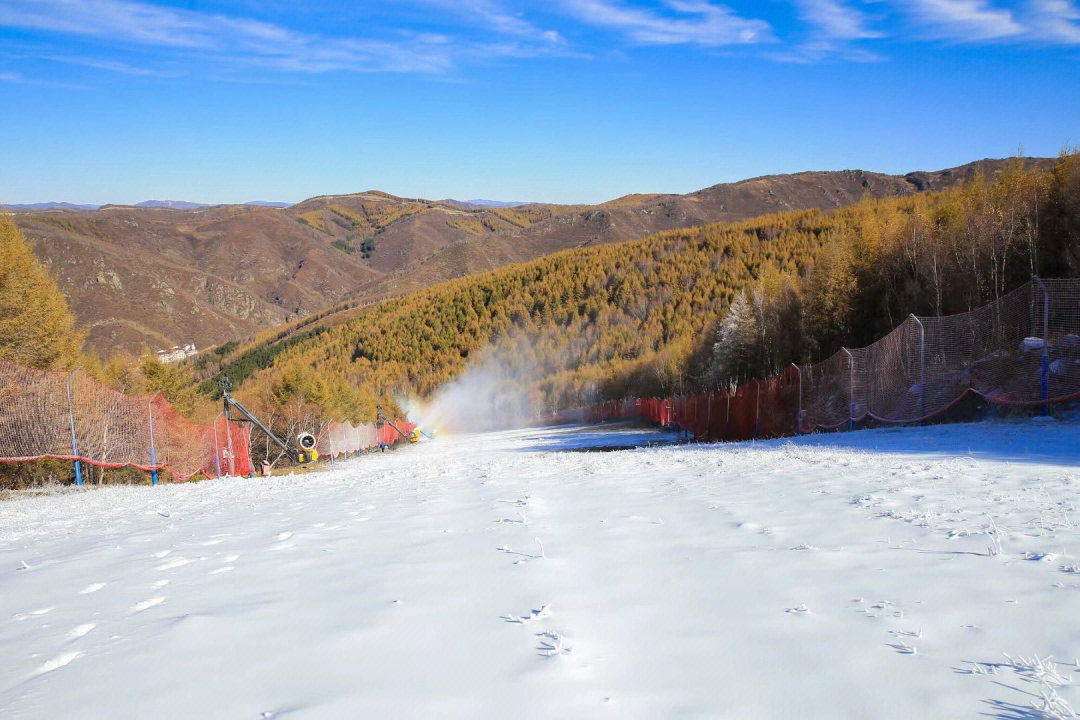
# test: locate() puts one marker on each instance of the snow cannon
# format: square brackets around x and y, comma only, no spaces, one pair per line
[414,436]
[302,454]
[305,448]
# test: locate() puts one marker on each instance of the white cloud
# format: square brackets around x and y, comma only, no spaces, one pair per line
[235,39]
[688,22]
[966,20]
[115,66]
[10,77]
[837,20]
[1055,21]
[493,15]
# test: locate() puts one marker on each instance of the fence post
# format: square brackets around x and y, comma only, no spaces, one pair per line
[922,365]
[153,456]
[232,453]
[757,407]
[851,388]
[74,439]
[708,417]
[727,414]
[1044,384]
[217,449]
[798,408]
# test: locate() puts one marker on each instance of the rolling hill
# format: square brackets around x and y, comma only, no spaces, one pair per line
[640,317]
[147,277]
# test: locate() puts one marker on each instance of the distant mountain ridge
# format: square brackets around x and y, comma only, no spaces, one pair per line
[158,275]
[48,206]
[172,204]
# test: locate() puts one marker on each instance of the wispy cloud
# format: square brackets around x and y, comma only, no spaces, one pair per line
[438,36]
[498,19]
[966,20]
[246,40]
[837,20]
[115,66]
[835,28]
[685,22]
[1055,21]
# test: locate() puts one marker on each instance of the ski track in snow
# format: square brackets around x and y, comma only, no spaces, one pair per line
[908,572]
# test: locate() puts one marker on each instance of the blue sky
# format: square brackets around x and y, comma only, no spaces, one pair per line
[122,101]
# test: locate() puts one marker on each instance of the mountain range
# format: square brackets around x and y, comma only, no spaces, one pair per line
[166,272]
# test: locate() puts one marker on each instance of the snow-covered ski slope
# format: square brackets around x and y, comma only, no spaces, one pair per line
[901,573]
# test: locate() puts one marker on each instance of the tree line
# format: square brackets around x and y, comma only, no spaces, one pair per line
[696,308]
[680,311]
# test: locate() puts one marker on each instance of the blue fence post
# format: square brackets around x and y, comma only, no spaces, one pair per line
[153,455]
[74,438]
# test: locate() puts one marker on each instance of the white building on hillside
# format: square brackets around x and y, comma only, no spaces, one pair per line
[177,353]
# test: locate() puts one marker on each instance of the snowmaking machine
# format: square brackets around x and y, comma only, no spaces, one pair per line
[381,420]
[303,453]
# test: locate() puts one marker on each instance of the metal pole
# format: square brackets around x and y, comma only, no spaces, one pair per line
[798,408]
[232,455]
[74,440]
[727,414]
[757,408]
[708,416]
[217,449]
[851,388]
[153,456]
[1044,385]
[922,365]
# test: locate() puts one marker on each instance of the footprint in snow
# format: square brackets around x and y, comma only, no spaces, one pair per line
[81,630]
[800,610]
[173,564]
[56,663]
[146,604]
[91,588]
[544,611]
[32,613]
[552,644]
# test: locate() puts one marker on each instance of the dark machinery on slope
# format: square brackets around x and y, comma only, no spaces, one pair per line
[302,454]
[381,419]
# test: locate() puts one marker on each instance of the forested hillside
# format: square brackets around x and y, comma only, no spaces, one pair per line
[642,317]
[142,278]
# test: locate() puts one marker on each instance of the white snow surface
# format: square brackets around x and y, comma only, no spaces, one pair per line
[899,573]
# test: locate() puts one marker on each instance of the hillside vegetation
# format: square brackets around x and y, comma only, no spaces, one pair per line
[142,278]
[36,328]
[642,317]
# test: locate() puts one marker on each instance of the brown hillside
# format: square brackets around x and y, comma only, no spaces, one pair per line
[142,278]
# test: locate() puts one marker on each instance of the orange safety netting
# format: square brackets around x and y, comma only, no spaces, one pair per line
[1022,350]
[71,416]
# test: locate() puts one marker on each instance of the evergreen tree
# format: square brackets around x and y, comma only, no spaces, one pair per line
[36,328]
